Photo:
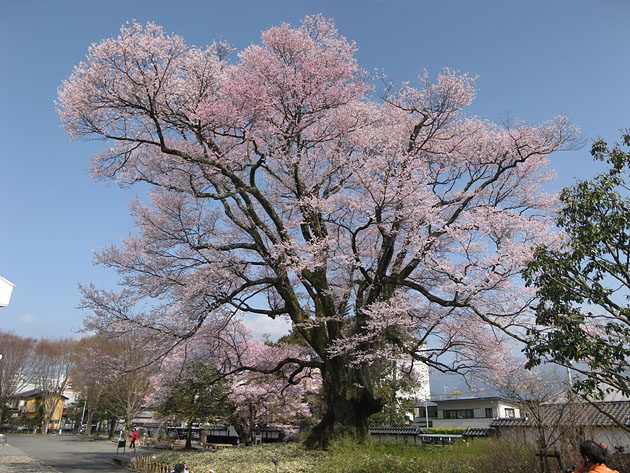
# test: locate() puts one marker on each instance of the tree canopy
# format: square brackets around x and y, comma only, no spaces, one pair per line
[583,284]
[284,186]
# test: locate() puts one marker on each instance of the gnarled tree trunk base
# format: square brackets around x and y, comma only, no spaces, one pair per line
[347,410]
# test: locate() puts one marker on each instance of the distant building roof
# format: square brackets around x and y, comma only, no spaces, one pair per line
[469,398]
[601,413]
[511,422]
[395,431]
[33,393]
[479,432]
[425,403]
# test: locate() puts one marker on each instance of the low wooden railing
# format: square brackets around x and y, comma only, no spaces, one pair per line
[149,465]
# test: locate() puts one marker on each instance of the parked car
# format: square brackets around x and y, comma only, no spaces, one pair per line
[84,426]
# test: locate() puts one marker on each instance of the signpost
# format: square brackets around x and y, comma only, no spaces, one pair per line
[6,288]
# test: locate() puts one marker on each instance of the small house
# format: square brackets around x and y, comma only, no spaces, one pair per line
[32,401]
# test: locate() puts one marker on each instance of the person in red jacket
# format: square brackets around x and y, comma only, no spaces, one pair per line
[134,437]
[593,458]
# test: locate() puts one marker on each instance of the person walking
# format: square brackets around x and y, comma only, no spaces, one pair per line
[134,437]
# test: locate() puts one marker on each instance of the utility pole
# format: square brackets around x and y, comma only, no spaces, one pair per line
[83,413]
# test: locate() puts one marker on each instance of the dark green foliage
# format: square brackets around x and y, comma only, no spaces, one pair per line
[196,396]
[293,338]
[390,387]
[35,421]
[445,430]
[583,288]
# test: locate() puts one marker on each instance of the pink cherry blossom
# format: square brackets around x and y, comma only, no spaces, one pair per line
[282,186]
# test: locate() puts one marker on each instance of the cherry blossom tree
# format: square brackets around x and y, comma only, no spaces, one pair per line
[190,383]
[194,395]
[259,397]
[231,374]
[283,185]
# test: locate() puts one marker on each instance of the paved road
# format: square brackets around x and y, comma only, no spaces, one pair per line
[57,453]
[14,460]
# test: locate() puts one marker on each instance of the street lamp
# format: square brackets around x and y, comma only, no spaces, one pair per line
[6,288]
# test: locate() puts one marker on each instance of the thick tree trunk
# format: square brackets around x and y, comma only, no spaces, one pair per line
[349,400]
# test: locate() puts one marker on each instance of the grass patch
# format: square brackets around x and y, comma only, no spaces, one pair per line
[481,455]
[345,456]
[292,457]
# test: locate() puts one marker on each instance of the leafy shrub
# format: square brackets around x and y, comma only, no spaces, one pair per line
[444,430]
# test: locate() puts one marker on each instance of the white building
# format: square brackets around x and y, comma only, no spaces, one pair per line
[465,412]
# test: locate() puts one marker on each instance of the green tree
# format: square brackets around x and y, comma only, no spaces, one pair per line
[36,420]
[583,286]
[395,386]
[195,396]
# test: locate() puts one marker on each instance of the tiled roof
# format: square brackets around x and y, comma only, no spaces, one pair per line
[479,432]
[510,422]
[395,431]
[590,415]
[581,414]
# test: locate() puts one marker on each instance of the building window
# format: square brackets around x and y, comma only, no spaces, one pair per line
[509,412]
[459,413]
[489,412]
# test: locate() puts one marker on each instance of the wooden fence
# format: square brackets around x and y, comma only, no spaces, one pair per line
[149,465]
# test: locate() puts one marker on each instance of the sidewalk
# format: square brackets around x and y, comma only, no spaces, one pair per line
[14,460]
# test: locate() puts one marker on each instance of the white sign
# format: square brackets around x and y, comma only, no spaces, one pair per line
[6,288]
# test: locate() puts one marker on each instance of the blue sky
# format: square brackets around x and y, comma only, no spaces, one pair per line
[534,60]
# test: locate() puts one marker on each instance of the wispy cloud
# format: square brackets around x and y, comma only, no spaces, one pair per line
[27,320]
